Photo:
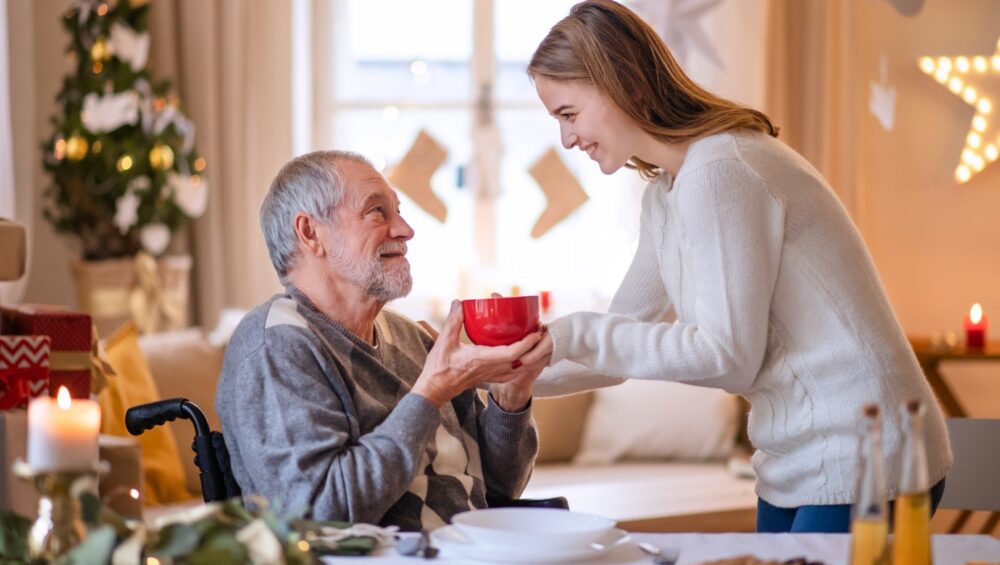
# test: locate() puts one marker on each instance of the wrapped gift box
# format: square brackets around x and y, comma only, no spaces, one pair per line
[24,369]
[71,335]
[15,493]
[12,250]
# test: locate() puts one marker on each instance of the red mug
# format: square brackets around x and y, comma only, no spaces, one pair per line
[500,321]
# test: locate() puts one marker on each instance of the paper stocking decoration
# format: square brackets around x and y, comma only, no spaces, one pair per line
[412,175]
[562,190]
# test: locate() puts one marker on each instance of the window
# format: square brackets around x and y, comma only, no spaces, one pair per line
[455,68]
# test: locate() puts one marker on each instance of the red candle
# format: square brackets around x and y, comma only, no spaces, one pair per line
[975,328]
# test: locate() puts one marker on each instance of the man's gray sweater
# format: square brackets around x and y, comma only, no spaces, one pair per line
[315,417]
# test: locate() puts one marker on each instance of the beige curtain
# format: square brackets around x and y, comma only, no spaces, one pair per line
[813,87]
[230,62]
[16,196]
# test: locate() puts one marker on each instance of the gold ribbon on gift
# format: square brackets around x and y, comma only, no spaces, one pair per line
[69,361]
[92,360]
[100,369]
[148,301]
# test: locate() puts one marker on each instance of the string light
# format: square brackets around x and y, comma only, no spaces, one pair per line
[968,77]
[124,163]
[992,152]
[199,164]
[59,149]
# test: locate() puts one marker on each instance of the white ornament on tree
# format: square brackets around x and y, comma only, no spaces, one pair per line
[679,24]
[130,46]
[126,212]
[163,119]
[186,129]
[102,114]
[155,238]
[190,193]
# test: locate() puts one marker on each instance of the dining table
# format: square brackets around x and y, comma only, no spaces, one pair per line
[695,548]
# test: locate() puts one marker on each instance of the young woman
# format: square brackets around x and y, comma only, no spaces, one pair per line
[774,294]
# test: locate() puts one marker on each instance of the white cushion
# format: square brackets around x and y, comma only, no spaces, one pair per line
[643,491]
[658,420]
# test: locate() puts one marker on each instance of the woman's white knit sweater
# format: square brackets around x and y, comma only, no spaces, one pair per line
[776,299]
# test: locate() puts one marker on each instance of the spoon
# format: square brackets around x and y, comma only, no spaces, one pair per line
[416,546]
[664,556]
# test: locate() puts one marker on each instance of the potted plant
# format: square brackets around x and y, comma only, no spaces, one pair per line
[124,170]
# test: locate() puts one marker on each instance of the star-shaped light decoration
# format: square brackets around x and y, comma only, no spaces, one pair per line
[971,78]
[679,24]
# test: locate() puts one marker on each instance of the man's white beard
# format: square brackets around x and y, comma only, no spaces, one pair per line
[381,283]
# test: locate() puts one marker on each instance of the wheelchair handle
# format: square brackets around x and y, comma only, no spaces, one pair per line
[147,416]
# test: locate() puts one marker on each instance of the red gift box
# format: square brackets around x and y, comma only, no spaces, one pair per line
[71,335]
[24,369]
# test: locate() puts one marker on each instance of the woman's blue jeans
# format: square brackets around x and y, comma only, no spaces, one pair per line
[826,519]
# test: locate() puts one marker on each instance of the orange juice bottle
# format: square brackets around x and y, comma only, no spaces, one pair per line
[869,519]
[912,540]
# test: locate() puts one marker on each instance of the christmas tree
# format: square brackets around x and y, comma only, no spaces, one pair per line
[125,173]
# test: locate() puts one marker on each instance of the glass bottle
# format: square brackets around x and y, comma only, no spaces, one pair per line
[869,519]
[912,540]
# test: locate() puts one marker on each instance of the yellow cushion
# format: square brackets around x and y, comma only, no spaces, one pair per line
[132,385]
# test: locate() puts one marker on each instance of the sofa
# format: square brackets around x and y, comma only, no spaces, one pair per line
[642,495]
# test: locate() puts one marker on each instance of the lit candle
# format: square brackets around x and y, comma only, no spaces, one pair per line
[975,328]
[62,433]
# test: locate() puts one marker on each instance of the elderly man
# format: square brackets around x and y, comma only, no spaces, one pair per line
[333,405]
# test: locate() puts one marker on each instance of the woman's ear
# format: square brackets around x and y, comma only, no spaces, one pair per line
[308,232]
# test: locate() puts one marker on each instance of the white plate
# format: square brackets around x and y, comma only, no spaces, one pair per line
[531,527]
[452,541]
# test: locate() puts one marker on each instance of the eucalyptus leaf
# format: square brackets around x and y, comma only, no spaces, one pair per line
[13,536]
[176,540]
[223,542]
[90,508]
[96,549]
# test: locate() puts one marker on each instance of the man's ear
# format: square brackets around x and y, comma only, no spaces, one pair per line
[307,230]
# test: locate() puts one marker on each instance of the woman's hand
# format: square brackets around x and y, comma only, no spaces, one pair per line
[514,394]
[453,367]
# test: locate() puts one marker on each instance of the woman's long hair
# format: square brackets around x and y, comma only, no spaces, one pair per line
[605,44]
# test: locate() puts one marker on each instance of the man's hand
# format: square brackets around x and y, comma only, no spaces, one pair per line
[453,367]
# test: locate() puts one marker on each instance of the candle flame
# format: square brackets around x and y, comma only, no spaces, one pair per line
[62,398]
[976,314]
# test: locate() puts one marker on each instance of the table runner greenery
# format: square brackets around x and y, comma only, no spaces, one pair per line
[216,534]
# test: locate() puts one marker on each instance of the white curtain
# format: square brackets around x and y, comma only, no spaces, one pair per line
[9,291]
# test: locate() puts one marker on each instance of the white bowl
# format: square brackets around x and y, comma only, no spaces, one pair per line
[531,527]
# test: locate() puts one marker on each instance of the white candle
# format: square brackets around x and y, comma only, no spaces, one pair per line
[62,433]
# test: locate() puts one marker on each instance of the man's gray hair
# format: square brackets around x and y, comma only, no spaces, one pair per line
[311,184]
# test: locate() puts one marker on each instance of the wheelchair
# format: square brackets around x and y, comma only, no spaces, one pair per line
[212,458]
